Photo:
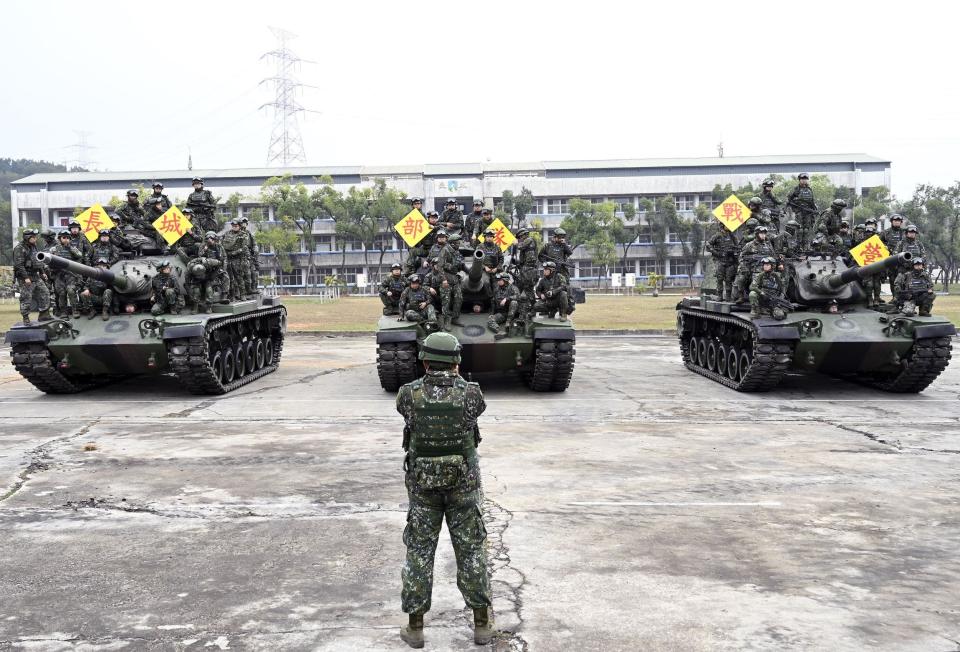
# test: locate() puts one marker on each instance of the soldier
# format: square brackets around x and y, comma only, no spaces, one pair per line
[48,239]
[253,256]
[558,251]
[208,273]
[869,228]
[97,293]
[829,221]
[492,260]
[30,277]
[452,217]
[443,480]
[166,295]
[415,303]
[159,197]
[551,292]
[457,261]
[417,202]
[768,290]
[470,221]
[440,285]
[828,245]
[911,243]
[65,283]
[79,240]
[804,206]
[871,284]
[771,203]
[440,244]
[846,239]
[104,248]
[203,204]
[750,256]
[723,246]
[524,259]
[787,243]
[191,241]
[914,289]
[421,250]
[892,238]
[481,225]
[755,204]
[131,213]
[153,209]
[858,230]
[391,287]
[503,307]
[236,250]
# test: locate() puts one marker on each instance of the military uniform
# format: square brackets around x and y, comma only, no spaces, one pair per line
[395,285]
[804,206]
[236,250]
[552,295]
[915,247]
[871,284]
[166,294]
[891,238]
[443,483]
[492,258]
[104,250]
[504,306]
[253,258]
[411,301]
[787,244]
[80,242]
[915,286]
[204,206]
[162,200]
[421,249]
[208,275]
[557,252]
[772,204]
[130,214]
[765,289]
[66,284]
[28,273]
[525,257]
[484,223]
[829,245]
[830,219]
[750,257]
[452,220]
[723,246]
[470,223]
[96,294]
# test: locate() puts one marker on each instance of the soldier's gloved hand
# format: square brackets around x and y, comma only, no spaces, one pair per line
[27,281]
[433,292]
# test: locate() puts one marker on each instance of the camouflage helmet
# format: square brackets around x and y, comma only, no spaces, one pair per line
[549,265]
[187,211]
[72,224]
[47,232]
[487,211]
[414,278]
[478,202]
[234,222]
[803,175]
[416,200]
[503,276]
[793,223]
[440,347]
[62,234]
[451,201]
[211,235]
[917,261]
[103,232]
[558,231]
[761,229]
[165,262]
[869,221]
[197,180]
[395,266]
[844,224]
[768,183]
[156,184]
[432,214]
[751,223]
[912,227]
[896,216]
[839,203]
[103,261]
[441,233]
[768,260]
[860,226]
[244,220]
[132,193]
[29,233]
[755,201]
[489,233]
[522,231]
[434,261]
[454,238]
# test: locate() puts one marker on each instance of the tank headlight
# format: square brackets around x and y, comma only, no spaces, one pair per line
[179,349]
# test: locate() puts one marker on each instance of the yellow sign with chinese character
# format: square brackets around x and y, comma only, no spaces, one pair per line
[413,227]
[870,251]
[172,225]
[92,220]
[732,213]
[501,234]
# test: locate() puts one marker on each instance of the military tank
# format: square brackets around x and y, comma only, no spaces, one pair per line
[234,344]
[830,329]
[541,349]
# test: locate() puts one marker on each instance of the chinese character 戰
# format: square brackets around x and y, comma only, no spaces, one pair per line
[731,212]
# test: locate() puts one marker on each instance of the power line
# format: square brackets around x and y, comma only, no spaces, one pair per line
[286,144]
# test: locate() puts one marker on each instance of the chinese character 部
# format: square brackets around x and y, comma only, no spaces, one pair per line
[412,227]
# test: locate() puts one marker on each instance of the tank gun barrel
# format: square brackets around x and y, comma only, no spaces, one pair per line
[835,281]
[474,280]
[102,275]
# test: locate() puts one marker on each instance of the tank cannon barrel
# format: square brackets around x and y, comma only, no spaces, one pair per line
[102,275]
[835,281]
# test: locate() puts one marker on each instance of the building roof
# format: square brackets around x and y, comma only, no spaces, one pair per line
[452,169]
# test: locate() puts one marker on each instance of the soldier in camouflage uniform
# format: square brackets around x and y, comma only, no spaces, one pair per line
[48,239]
[450,262]
[443,482]
[470,221]
[768,290]
[79,240]
[452,217]
[234,245]
[871,284]
[804,206]
[30,276]
[892,238]
[492,260]
[911,243]
[391,287]
[829,221]
[481,225]
[158,197]
[828,245]
[96,293]
[130,214]
[208,273]
[416,304]
[858,232]
[771,203]
[750,257]
[914,288]
[204,205]
[153,209]
[723,246]
[166,295]
[253,256]
[558,251]
[440,285]
[191,240]
[104,248]
[762,215]
[787,243]
[503,307]
[551,292]
[66,285]
[421,250]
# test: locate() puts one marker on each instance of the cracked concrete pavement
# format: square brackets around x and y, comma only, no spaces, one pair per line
[645,509]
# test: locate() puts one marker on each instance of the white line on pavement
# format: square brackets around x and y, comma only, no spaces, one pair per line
[628,503]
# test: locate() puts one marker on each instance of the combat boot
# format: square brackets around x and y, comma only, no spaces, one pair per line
[26,320]
[482,626]
[105,314]
[412,633]
[76,312]
[44,316]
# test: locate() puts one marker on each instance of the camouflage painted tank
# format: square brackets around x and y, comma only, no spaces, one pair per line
[875,346]
[542,350]
[213,353]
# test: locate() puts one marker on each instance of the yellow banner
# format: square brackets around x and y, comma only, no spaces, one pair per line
[172,225]
[413,227]
[870,251]
[501,234]
[92,220]
[732,213]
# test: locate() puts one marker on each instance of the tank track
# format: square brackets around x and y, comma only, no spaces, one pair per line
[397,364]
[552,366]
[33,362]
[927,359]
[195,370]
[768,361]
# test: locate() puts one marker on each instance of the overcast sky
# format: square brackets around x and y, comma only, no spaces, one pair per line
[432,82]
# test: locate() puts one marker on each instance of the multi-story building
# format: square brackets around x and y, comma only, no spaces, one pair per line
[50,198]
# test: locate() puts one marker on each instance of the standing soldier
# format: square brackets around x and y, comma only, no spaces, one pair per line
[422,248]
[858,233]
[48,239]
[166,295]
[443,480]
[492,256]
[415,303]
[558,251]
[79,240]
[829,221]
[871,284]
[525,259]
[481,225]
[417,202]
[470,221]
[104,248]
[153,209]
[768,290]
[440,244]
[503,307]
[66,284]
[755,204]
[723,246]
[771,203]
[131,213]
[452,217]
[750,257]
[914,288]
[787,243]
[804,206]
[846,239]
[253,256]
[551,292]
[158,196]
[911,242]
[236,250]
[892,238]
[391,287]
[204,205]
[97,293]
[30,277]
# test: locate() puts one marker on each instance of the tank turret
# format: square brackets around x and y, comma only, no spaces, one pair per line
[835,281]
[130,278]
[119,282]
[817,280]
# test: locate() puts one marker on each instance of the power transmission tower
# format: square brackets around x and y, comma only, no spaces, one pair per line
[286,144]
[82,159]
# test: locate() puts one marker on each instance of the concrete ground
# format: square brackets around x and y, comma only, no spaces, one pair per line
[645,509]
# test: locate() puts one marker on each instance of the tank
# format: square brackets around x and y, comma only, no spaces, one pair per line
[209,353]
[540,349]
[877,346]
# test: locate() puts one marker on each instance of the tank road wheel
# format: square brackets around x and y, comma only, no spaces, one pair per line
[712,355]
[694,346]
[396,364]
[702,351]
[250,355]
[216,363]
[743,364]
[722,353]
[239,360]
[260,354]
[229,365]
[552,366]
[733,362]
[268,352]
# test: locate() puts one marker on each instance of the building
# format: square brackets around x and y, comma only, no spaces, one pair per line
[50,198]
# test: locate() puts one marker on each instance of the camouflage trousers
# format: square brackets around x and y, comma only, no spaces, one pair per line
[559,302]
[33,294]
[103,301]
[65,293]
[461,509]
[427,314]
[239,277]
[168,301]
[503,316]
[923,300]
[391,305]
[253,283]
[526,279]
[726,272]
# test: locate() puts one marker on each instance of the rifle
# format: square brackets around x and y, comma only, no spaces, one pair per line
[776,301]
[406,437]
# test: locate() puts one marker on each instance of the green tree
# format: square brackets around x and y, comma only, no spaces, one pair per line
[6,234]
[659,226]
[523,204]
[936,211]
[296,209]
[876,204]
[597,227]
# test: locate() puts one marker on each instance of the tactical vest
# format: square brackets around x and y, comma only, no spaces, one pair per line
[914,247]
[916,283]
[397,285]
[892,237]
[439,427]
[770,282]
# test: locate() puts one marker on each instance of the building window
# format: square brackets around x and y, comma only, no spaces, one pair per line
[673,238]
[320,275]
[322,243]
[349,274]
[557,207]
[684,202]
[249,212]
[589,271]
[644,236]
[678,268]
[621,202]
[225,212]
[293,278]
[647,266]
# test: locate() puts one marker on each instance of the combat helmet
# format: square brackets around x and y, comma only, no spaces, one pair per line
[754,201]
[549,265]
[558,231]
[414,278]
[395,266]
[768,260]
[211,235]
[522,231]
[489,232]
[768,183]
[503,276]
[896,216]
[103,232]
[912,227]
[440,347]
[29,233]
[839,203]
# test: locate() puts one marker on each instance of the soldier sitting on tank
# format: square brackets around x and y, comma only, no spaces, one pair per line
[787,243]
[470,221]
[558,251]
[440,285]
[768,291]
[452,217]
[492,260]
[208,276]
[166,296]
[750,257]
[551,292]
[481,225]
[130,213]
[235,248]
[416,304]
[912,244]
[723,247]
[456,241]
[503,307]
[153,210]
[914,289]
[829,220]
[440,243]
[66,284]
[757,211]
[97,294]
[828,245]
[78,240]
[391,287]
[419,251]
[103,247]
